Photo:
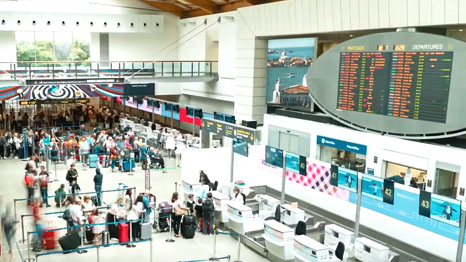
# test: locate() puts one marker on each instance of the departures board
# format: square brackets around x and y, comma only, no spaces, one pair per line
[413,85]
[400,83]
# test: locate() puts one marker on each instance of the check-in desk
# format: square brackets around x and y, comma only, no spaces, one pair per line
[189,188]
[367,250]
[335,234]
[241,220]
[291,216]
[278,241]
[307,249]
[220,211]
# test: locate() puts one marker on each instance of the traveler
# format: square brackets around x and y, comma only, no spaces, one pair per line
[9,229]
[96,229]
[29,181]
[178,211]
[60,195]
[208,207]
[144,156]
[88,206]
[133,213]
[72,175]
[400,179]
[203,190]
[98,179]
[76,217]
[38,217]
[190,204]
[148,204]
[113,157]
[43,184]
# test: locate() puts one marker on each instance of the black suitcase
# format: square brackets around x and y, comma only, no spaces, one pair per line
[21,152]
[188,231]
[70,241]
[189,220]
[89,235]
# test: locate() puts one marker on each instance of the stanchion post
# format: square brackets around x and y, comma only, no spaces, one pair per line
[459,250]
[282,195]
[170,240]
[22,229]
[98,253]
[151,251]
[176,187]
[238,254]
[214,258]
[83,229]
[47,165]
[358,208]
[28,244]
[131,158]
[56,179]
[14,206]
[130,245]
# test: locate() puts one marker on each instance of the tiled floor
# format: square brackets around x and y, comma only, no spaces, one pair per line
[163,185]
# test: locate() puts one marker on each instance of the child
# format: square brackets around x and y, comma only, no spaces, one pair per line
[198,209]
[75,188]
[96,230]
[190,204]
[60,195]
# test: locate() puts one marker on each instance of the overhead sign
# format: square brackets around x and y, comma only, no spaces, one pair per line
[75,81]
[229,130]
[145,89]
[147,179]
[54,101]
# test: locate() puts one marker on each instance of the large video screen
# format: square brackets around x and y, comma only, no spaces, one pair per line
[399,83]
[287,63]
[274,156]
[240,147]
[296,163]
[440,208]
[348,179]
[378,188]
[414,85]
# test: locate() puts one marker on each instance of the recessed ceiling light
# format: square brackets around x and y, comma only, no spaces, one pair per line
[461,30]
[351,35]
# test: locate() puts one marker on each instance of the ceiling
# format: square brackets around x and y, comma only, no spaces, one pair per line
[194,8]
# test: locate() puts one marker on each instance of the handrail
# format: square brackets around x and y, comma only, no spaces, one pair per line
[145,61]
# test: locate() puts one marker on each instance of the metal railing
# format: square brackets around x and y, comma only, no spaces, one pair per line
[105,69]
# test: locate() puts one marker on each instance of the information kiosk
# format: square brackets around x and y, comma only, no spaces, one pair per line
[335,234]
[278,240]
[220,211]
[367,250]
[241,219]
[189,188]
[307,249]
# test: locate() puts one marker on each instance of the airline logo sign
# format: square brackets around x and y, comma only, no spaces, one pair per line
[343,145]
[228,130]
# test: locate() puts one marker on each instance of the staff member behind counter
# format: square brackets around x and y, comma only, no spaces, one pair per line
[239,197]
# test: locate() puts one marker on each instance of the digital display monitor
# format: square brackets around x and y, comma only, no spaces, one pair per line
[230,119]
[414,85]
[274,156]
[440,208]
[240,147]
[347,179]
[296,163]
[377,188]
[219,116]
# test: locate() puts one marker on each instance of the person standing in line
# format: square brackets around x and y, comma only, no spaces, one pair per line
[30,183]
[2,146]
[72,174]
[143,156]
[9,229]
[208,207]
[148,204]
[98,179]
[176,217]
[43,184]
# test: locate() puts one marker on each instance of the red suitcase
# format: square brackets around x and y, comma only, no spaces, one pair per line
[123,233]
[48,239]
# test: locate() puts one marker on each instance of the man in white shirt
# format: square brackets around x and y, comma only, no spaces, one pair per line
[76,215]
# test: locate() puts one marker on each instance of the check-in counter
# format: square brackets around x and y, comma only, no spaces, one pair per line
[279,240]
[241,219]
[367,250]
[220,211]
[189,188]
[335,234]
[307,249]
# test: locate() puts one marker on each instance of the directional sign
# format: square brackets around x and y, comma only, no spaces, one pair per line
[228,130]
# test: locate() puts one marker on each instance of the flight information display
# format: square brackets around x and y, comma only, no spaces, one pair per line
[413,85]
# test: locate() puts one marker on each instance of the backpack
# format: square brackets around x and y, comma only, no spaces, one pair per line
[207,207]
[67,214]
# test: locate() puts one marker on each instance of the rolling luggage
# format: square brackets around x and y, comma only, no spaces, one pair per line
[49,239]
[105,238]
[123,233]
[89,235]
[21,152]
[166,208]
[188,231]
[70,241]
[126,165]
[164,222]
[93,161]
[189,220]
[94,201]
[146,231]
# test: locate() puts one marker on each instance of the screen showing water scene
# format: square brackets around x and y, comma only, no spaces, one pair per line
[445,209]
[287,63]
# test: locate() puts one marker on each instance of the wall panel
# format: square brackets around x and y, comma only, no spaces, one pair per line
[329,18]
[313,15]
[425,12]
[336,14]
[398,13]
[462,12]
[438,12]
[354,14]
[301,15]
[345,14]
[384,14]
[364,13]
[451,11]
[321,18]
[413,12]
[373,14]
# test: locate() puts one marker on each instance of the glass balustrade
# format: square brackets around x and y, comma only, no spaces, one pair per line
[107,69]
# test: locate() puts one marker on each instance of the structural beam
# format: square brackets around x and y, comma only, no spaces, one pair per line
[206,5]
[221,9]
[167,7]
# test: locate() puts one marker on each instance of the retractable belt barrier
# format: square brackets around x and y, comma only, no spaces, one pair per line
[67,195]
[202,260]
[215,258]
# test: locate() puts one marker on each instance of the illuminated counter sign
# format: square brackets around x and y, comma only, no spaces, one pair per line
[26,103]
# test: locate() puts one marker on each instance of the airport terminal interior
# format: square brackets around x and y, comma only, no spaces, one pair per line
[232,130]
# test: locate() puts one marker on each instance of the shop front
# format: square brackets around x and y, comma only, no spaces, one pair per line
[342,153]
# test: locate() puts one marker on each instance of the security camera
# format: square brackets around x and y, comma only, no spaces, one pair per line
[105,23]
[118,24]
[34,22]
[92,23]
[3,22]
[156,24]
[131,24]
[145,24]
[48,22]
[77,23]
[19,22]
[62,22]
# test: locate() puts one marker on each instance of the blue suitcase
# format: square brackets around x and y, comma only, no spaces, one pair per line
[126,165]
[93,159]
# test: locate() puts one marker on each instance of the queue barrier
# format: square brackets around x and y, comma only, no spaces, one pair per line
[215,258]
[82,236]
[202,260]
[67,195]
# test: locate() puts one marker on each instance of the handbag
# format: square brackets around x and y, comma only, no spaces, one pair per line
[180,212]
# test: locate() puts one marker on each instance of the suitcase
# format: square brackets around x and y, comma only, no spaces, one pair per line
[93,161]
[94,201]
[202,226]
[101,158]
[166,208]
[21,152]
[49,239]
[146,230]
[123,233]
[105,238]
[126,165]
[189,220]
[105,161]
[89,235]
[70,241]
[188,231]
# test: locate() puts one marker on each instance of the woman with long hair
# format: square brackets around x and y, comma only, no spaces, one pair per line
[177,204]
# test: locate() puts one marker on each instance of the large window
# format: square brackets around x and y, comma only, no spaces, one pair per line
[52,46]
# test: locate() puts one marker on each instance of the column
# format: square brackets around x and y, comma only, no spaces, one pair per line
[251,74]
